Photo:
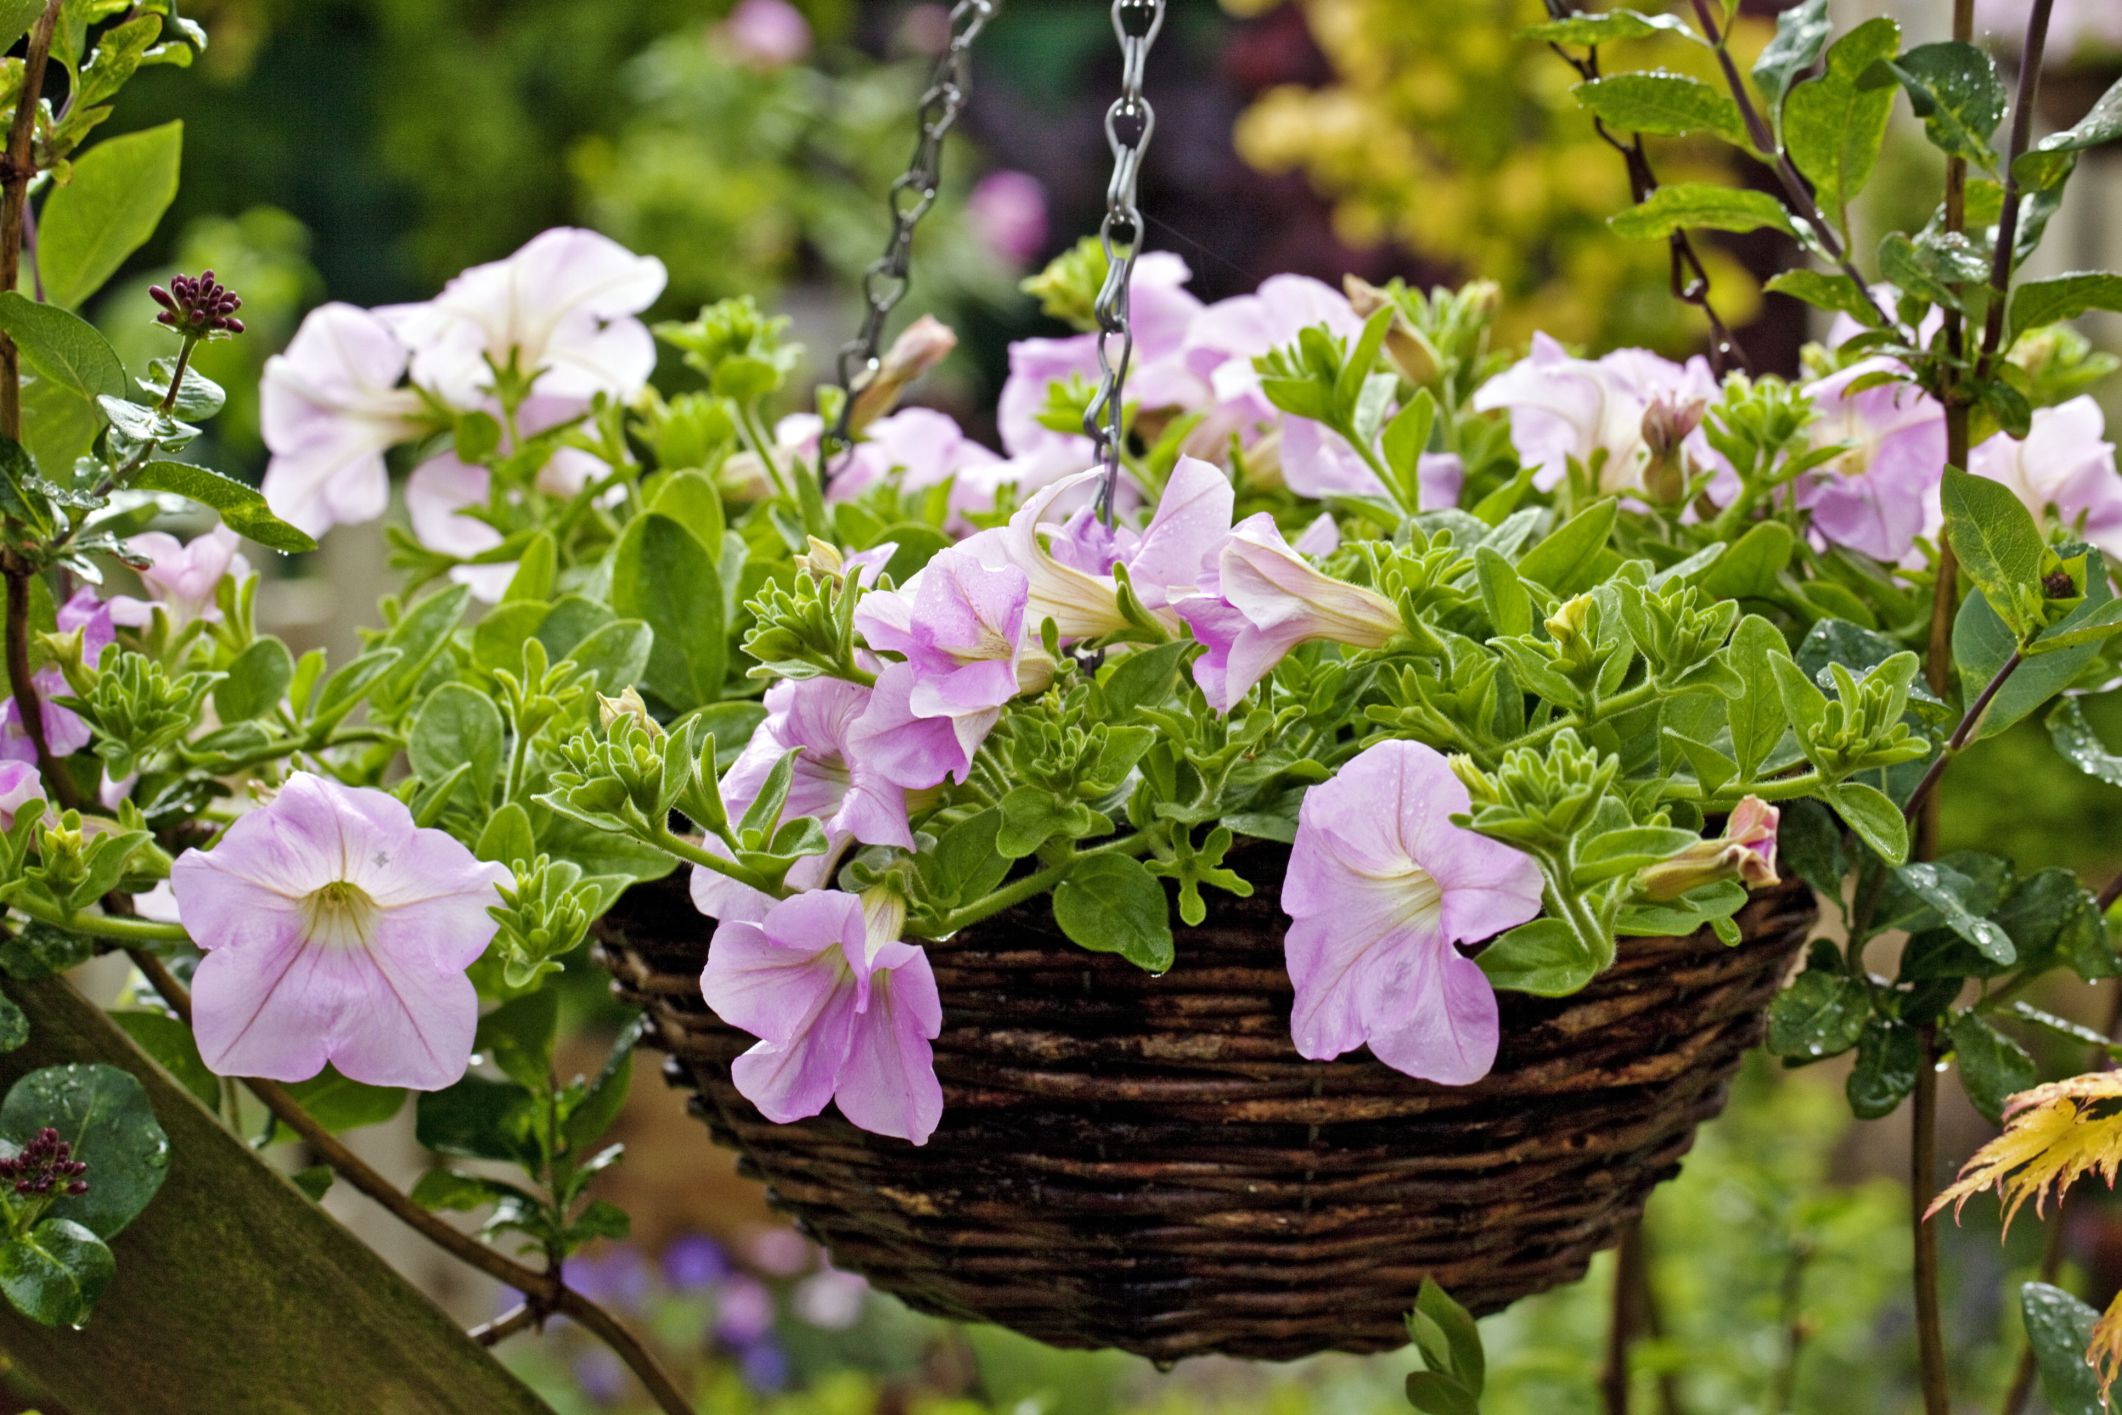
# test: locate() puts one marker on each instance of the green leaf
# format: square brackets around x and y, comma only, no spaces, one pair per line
[170,1043]
[1982,644]
[1142,677]
[2050,162]
[257,681]
[16,16]
[1873,816]
[592,1112]
[108,210]
[1837,294]
[1993,1067]
[1955,90]
[1112,904]
[1667,105]
[1757,715]
[1466,1359]
[1930,269]
[1031,816]
[105,1115]
[666,579]
[1434,1393]
[1941,888]
[1544,958]
[54,1273]
[341,1103]
[1503,594]
[517,1037]
[1801,34]
[62,347]
[2059,1328]
[2040,303]
[1999,546]
[1821,1014]
[1835,125]
[1610,27]
[458,724]
[14,1024]
[690,499]
[480,1119]
[2080,745]
[1565,562]
[1888,1055]
[1700,206]
[240,505]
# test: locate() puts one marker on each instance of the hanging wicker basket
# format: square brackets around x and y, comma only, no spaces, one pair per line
[1146,1163]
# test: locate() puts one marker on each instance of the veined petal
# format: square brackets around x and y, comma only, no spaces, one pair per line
[888,1085]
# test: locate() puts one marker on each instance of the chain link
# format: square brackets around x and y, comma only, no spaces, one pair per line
[915,191]
[1129,124]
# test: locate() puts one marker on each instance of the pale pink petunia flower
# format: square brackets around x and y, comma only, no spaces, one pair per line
[926,448]
[443,488]
[563,311]
[1870,498]
[960,625]
[181,577]
[831,781]
[1007,211]
[844,1011]
[329,408]
[19,785]
[1565,409]
[64,731]
[336,931]
[2064,470]
[1259,599]
[1381,889]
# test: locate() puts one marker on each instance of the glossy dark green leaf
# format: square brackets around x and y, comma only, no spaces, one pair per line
[1667,105]
[340,1103]
[54,1273]
[2060,1328]
[62,347]
[1993,1067]
[1821,1014]
[170,1043]
[1956,91]
[1544,958]
[1888,1054]
[1945,891]
[2036,304]
[1835,125]
[1700,206]
[1611,26]
[239,505]
[105,1115]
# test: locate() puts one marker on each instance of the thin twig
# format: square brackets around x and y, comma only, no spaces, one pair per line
[1763,138]
[2022,132]
[1923,1180]
[503,1327]
[15,176]
[1624,1321]
[1689,278]
[1958,741]
[543,1292]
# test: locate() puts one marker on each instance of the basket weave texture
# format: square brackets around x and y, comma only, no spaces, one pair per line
[1146,1163]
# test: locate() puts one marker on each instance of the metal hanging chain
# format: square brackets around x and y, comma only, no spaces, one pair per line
[915,191]
[1129,125]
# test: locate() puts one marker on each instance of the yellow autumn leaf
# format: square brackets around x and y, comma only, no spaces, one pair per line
[2054,1135]
[2104,1355]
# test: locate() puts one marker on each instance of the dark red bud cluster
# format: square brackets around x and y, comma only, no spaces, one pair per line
[198,305]
[46,1164]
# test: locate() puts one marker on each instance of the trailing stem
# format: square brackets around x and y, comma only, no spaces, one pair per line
[1923,797]
[545,1294]
[1922,1180]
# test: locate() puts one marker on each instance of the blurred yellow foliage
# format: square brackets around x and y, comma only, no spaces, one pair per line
[1452,137]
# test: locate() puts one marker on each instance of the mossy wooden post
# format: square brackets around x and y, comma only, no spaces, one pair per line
[234,1292]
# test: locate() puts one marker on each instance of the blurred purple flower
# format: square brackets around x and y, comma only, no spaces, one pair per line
[778,1251]
[601,1375]
[694,1262]
[766,34]
[765,1367]
[64,731]
[744,1312]
[19,785]
[181,577]
[615,1273]
[1007,211]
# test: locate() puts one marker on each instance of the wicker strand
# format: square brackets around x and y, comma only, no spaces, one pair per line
[1146,1163]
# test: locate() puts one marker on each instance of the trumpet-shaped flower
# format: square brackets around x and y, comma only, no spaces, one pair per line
[560,311]
[830,780]
[64,731]
[329,408]
[843,1009]
[1745,852]
[1163,313]
[1007,212]
[1381,888]
[1563,408]
[1871,497]
[1259,599]
[181,577]
[2065,469]
[959,624]
[912,749]
[336,931]
[19,785]
[1316,461]
[924,446]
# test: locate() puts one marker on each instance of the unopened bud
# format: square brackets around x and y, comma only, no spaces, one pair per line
[1745,852]
[1404,345]
[920,347]
[627,704]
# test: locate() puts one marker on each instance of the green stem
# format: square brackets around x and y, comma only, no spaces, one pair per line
[1030,886]
[128,931]
[677,845]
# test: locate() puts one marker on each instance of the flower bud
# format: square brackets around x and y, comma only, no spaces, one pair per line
[1745,852]
[1667,424]
[1404,345]
[920,347]
[627,704]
